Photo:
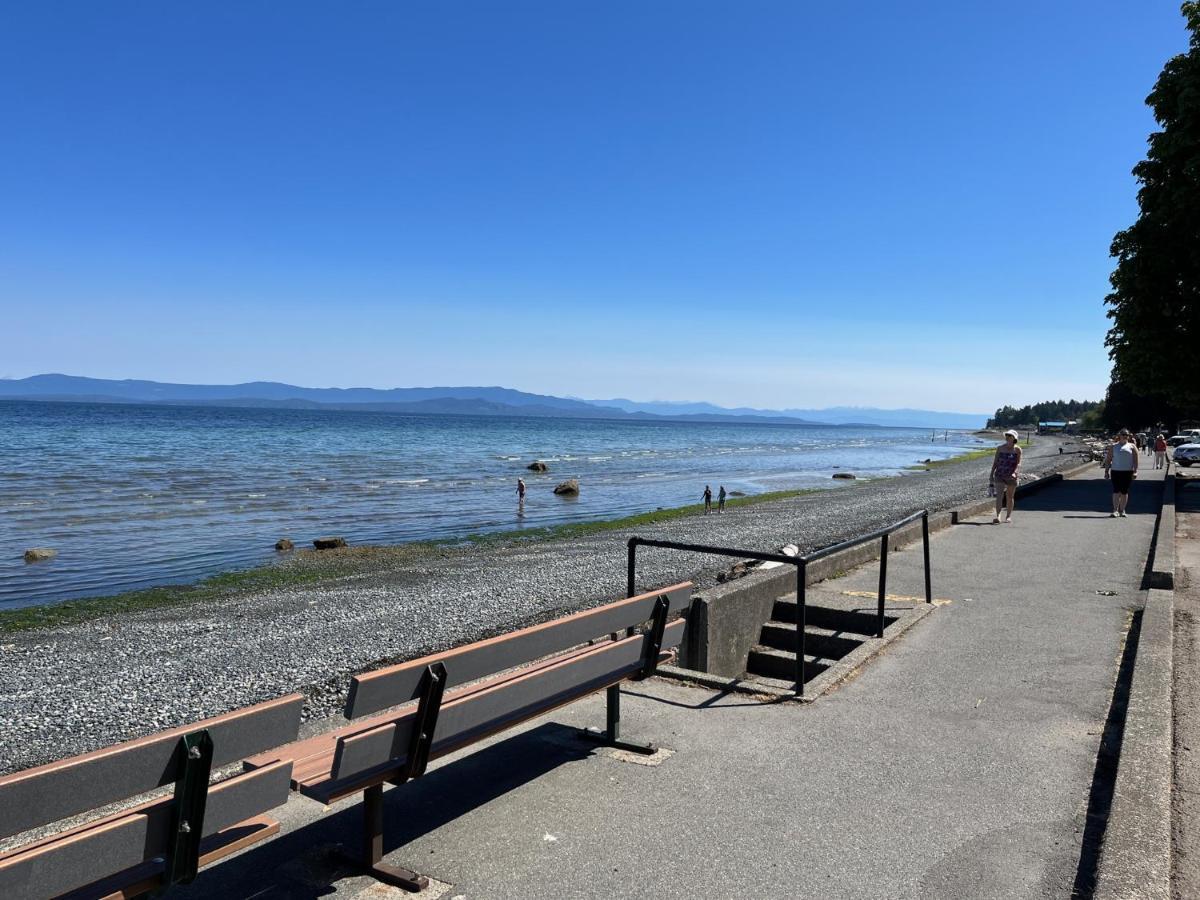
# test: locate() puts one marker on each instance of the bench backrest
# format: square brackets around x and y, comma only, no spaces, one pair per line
[395,685]
[80,856]
[464,720]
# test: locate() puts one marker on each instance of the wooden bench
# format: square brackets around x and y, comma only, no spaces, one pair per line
[159,842]
[451,700]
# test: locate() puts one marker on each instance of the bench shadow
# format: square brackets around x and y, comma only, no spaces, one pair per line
[307,862]
[708,703]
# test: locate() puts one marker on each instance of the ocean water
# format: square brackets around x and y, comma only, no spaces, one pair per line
[134,496]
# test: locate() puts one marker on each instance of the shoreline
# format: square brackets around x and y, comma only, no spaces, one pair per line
[306,566]
[310,567]
[116,676]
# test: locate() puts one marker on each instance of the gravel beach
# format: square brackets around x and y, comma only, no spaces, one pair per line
[68,690]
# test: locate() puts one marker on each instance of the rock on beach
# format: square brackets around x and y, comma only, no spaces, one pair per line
[283,544]
[329,543]
[37,554]
[846,475]
[568,488]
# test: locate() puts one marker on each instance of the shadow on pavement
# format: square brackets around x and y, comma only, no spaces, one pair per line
[307,862]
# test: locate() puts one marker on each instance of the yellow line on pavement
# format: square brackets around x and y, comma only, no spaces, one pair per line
[900,598]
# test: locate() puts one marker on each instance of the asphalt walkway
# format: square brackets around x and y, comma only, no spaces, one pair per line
[961,762]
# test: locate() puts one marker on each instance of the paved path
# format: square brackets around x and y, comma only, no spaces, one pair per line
[957,764]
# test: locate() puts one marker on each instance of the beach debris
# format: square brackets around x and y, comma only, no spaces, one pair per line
[38,554]
[846,475]
[569,487]
[737,570]
[283,544]
[538,466]
[329,543]
[789,550]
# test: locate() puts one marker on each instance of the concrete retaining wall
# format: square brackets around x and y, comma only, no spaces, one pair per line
[1135,859]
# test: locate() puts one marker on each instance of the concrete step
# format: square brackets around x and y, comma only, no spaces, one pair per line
[772,663]
[853,621]
[819,643]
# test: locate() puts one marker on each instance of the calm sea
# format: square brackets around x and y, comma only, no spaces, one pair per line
[133,496]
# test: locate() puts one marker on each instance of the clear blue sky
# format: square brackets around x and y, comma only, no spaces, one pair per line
[762,203]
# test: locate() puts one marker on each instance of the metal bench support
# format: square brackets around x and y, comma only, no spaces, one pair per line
[195,753]
[611,736]
[433,686]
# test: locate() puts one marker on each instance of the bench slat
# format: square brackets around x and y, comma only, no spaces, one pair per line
[401,683]
[137,883]
[65,788]
[129,839]
[467,718]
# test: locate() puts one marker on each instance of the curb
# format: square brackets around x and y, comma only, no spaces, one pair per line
[1135,859]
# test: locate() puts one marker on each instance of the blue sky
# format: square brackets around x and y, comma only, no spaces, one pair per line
[754,203]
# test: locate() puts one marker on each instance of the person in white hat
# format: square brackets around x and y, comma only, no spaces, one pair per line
[1005,464]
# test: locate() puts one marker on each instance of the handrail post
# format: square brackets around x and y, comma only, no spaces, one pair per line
[631,568]
[925,541]
[801,615]
[883,552]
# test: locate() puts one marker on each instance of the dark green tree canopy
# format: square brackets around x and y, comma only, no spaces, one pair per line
[1047,411]
[1154,341]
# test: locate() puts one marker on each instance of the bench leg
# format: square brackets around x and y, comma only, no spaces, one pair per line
[372,848]
[611,736]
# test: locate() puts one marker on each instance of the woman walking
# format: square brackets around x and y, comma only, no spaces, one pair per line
[1005,464]
[1120,467]
[1160,451]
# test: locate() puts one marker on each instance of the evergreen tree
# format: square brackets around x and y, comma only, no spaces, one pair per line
[1154,341]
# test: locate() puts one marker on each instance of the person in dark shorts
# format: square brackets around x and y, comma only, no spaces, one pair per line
[721,499]
[1120,467]
[520,491]
[707,499]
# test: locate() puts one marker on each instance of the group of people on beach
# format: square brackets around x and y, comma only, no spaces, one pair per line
[708,495]
[1120,469]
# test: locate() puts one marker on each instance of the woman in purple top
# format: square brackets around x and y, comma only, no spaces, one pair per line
[1005,464]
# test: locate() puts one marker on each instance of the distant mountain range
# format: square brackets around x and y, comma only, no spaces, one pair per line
[485,401]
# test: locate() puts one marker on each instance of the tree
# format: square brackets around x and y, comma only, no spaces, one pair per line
[1154,341]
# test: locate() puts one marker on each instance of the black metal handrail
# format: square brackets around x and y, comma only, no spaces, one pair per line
[801,564]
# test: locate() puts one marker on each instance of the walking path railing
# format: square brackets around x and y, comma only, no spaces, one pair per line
[801,563]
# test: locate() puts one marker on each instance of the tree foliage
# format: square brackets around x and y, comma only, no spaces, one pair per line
[1049,411]
[1154,341]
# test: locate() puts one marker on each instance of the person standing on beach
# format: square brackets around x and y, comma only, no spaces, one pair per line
[1120,467]
[721,499]
[707,499]
[1160,451]
[1005,464]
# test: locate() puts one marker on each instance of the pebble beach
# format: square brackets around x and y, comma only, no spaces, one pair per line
[74,688]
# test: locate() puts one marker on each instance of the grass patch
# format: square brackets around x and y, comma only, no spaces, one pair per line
[218,586]
[966,457]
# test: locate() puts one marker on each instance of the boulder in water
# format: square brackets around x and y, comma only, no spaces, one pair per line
[38,554]
[568,488]
[329,543]
[283,544]
[849,476]
[538,466]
